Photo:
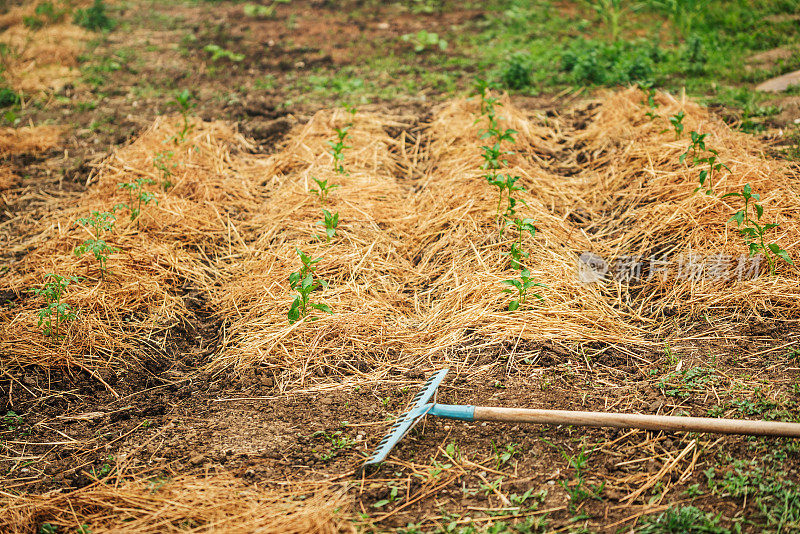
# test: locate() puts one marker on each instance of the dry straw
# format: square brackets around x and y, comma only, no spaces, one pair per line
[25,140]
[416,271]
[217,503]
[131,313]
[28,140]
[650,210]
[416,268]
[42,59]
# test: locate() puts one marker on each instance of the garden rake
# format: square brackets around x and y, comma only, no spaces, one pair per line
[422,407]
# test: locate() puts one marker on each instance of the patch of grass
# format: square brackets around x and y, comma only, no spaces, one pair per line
[218,53]
[95,71]
[699,45]
[265,83]
[503,456]
[94,17]
[12,421]
[8,97]
[682,520]
[683,383]
[338,441]
[517,72]
[593,62]
[765,483]
[258,11]
[45,13]
[424,40]
[579,490]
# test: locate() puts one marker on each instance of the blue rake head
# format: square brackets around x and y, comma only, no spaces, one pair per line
[406,422]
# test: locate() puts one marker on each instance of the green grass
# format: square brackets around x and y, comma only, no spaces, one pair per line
[536,46]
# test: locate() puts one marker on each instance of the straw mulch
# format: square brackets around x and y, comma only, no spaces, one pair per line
[25,140]
[129,313]
[217,503]
[649,209]
[28,139]
[415,271]
[43,59]
[7,178]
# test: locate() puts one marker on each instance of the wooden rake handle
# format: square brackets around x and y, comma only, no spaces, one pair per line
[602,419]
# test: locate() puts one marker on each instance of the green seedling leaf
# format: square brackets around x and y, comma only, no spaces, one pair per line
[778,251]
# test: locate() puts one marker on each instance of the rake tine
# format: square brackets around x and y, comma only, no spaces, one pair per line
[404,423]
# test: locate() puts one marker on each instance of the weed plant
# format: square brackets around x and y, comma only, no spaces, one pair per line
[44,13]
[753,232]
[94,17]
[338,440]
[304,283]
[423,40]
[257,11]
[579,491]
[611,13]
[324,189]
[595,62]
[681,13]
[8,98]
[217,53]
[53,316]
[137,197]
[516,73]
[101,222]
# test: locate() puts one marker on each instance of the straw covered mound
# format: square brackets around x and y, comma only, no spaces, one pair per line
[25,140]
[415,271]
[43,58]
[128,315]
[648,208]
[217,503]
